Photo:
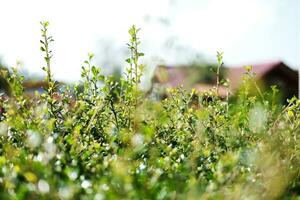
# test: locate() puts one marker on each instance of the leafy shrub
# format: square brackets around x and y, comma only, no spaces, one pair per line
[107,140]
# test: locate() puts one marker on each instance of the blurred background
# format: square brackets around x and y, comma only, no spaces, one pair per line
[173,33]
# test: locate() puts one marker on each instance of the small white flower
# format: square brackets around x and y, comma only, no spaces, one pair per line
[50,139]
[104,187]
[73,175]
[142,166]
[257,118]
[86,184]
[43,186]
[3,128]
[65,192]
[99,196]
[137,140]
[33,138]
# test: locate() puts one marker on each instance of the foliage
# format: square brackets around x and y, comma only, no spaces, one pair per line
[206,73]
[4,84]
[107,140]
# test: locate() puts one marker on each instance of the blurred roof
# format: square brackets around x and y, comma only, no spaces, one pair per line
[183,75]
[235,74]
[175,76]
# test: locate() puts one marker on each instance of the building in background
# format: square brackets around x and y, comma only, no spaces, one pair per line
[267,74]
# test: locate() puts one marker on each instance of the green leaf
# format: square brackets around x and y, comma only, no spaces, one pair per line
[141,54]
[91,56]
[128,60]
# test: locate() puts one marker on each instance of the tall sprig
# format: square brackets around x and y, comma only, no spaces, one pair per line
[46,40]
[135,70]
[134,73]
[53,107]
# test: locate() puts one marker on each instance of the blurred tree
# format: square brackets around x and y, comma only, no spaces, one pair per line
[4,85]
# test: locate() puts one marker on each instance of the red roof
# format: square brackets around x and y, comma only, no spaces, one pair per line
[174,76]
[235,74]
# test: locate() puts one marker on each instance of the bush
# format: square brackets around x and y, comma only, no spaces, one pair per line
[107,140]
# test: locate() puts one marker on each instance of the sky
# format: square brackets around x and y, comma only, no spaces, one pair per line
[172,32]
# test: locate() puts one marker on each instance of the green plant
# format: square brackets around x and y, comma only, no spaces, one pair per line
[108,140]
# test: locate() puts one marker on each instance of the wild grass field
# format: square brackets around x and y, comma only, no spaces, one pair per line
[109,140]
